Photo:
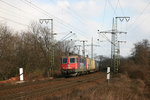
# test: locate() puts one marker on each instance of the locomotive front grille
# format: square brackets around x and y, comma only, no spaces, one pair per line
[68,71]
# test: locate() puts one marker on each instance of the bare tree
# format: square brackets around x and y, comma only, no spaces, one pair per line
[29,49]
[141,53]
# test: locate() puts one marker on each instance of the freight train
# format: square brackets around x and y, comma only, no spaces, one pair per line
[76,65]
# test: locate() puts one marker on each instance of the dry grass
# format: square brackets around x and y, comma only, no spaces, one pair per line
[119,88]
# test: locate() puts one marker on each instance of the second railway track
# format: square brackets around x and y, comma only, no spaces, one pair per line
[21,95]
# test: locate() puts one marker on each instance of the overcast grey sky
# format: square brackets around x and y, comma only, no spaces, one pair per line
[83,17]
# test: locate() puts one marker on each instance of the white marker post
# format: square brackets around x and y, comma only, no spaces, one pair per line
[21,74]
[108,74]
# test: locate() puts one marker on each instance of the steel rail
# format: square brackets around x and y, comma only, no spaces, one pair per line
[49,89]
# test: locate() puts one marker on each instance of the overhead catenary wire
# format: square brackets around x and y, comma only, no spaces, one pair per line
[107,38]
[27,12]
[78,17]
[116,5]
[67,36]
[104,49]
[121,8]
[17,8]
[11,5]
[103,35]
[34,6]
[104,11]
[18,22]
[14,21]
[143,20]
[13,15]
[115,8]
[141,13]
[73,13]
[81,18]
[63,25]
[109,2]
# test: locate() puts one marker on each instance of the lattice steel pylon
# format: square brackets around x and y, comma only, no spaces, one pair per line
[52,49]
[83,50]
[114,46]
[115,49]
[51,68]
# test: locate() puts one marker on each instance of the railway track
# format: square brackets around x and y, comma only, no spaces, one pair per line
[49,89]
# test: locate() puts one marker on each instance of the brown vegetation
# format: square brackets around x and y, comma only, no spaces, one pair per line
[132,83]
[137,67]
[119,88]
[30,50]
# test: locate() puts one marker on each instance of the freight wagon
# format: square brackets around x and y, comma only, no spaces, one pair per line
[76,65]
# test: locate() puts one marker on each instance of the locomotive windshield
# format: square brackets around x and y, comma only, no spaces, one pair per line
[64,60]
[72,60]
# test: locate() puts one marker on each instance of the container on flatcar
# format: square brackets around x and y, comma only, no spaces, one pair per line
[82,64]
[93,64]
[90,63]
[97,66]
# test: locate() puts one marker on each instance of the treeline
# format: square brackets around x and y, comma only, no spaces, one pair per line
[138,60]
[141,53]
[137,66]
[30,50]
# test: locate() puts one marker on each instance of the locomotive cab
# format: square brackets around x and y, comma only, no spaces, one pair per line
[69,65]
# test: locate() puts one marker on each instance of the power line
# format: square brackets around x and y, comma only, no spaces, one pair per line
[115,9]
[142,12]
[75,14]
[45,13]
[104,11]
[121,8]
[13,21]
[105,50]
[115,50]
[103,35]
[70,34]
[22,11]
[116,5]
[12,6]
[78,16]
[112,8]
[107,39]
[49,15]
[14,15]
[135,27]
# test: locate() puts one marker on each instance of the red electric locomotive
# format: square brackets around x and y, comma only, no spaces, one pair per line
[73,65]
